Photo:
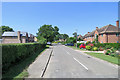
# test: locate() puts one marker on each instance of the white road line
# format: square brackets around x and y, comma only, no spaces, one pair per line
[65,51]
[80,63]
[68,53]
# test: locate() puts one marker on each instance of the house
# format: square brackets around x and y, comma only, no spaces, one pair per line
[106,34]
[17,37]
[79,36]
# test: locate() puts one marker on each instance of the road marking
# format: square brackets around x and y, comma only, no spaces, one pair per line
[68,53]
[65,51]
[80,63]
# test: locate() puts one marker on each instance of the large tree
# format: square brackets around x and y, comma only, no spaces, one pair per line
[63,36]
[6,28]
[48,32]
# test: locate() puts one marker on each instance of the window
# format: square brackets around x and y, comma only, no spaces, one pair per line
[101,41]
[117,41]
[117,34]
[102,35]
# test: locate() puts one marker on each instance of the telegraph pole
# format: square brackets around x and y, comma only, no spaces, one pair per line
[76,38]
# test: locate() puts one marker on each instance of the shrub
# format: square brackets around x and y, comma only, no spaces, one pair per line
[88,47]
[103,45]
[108,52]
[95,49]
[101,49]
[90,44]
[108,47]
[12,53]
[78,44]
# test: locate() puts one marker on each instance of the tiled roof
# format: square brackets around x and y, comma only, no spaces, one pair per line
[106,29]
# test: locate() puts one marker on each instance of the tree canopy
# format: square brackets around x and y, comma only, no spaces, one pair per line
[47,32]
[6,28]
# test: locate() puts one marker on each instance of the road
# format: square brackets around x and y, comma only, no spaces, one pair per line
[68,63]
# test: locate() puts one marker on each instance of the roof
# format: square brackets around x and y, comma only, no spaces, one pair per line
[105,29]
[13,33]
[9,34]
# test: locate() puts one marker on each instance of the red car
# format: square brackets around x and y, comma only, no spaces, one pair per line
[82,46]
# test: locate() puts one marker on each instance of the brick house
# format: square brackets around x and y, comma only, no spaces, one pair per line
[79,36]
[106,34]
[17,37]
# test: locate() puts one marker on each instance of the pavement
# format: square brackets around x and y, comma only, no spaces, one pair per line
[37,68]
[92,51]
[66,62]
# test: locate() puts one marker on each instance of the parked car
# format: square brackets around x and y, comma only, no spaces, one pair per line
[69,44]
[49,43]
[82,46]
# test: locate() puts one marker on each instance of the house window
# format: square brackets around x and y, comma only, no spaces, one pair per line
[102,35]
[101,41]
[117,34]
[117,41]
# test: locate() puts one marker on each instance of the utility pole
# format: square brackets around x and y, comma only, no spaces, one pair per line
[76,38]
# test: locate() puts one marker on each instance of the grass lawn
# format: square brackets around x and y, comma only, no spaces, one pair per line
[102,56]
[76,48]
[19,70]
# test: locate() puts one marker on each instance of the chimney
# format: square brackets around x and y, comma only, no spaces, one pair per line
[26,34]
[18,35]
[96,27]
[88,32]
[117,23]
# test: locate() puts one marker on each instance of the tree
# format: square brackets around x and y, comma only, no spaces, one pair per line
[6,28]
[63,36]
[47,32]
[56,33]
[71,40]
[79,39]
[75,34]
[41,40]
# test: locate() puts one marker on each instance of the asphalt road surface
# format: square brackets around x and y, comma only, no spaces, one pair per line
[68,63]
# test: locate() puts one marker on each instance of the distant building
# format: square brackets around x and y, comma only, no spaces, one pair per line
[17,37]
[106,34]
[80,36]
[35,38]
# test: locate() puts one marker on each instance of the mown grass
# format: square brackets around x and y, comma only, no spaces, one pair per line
[76,48]
[19,70]
[102,56]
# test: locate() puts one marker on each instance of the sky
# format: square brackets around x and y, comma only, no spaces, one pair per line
[82,17]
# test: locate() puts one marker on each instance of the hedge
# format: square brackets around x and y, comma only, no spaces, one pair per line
[105,45]
[12,53]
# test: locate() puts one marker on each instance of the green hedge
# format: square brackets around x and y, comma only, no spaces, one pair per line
[105,45]
[12,53]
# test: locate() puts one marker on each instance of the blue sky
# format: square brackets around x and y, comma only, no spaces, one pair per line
[68,16]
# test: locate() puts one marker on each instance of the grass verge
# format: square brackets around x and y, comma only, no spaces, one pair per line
[102,56]
[19,70]
[76,48]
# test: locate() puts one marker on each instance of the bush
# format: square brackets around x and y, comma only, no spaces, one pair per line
[12,53]
[78,44]
[101,48]
[108,47]
[108,52]
[103,45]
[95,49]
[88,47]
[90,44]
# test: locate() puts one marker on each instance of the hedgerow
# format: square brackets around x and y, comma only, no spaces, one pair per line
[12,53]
